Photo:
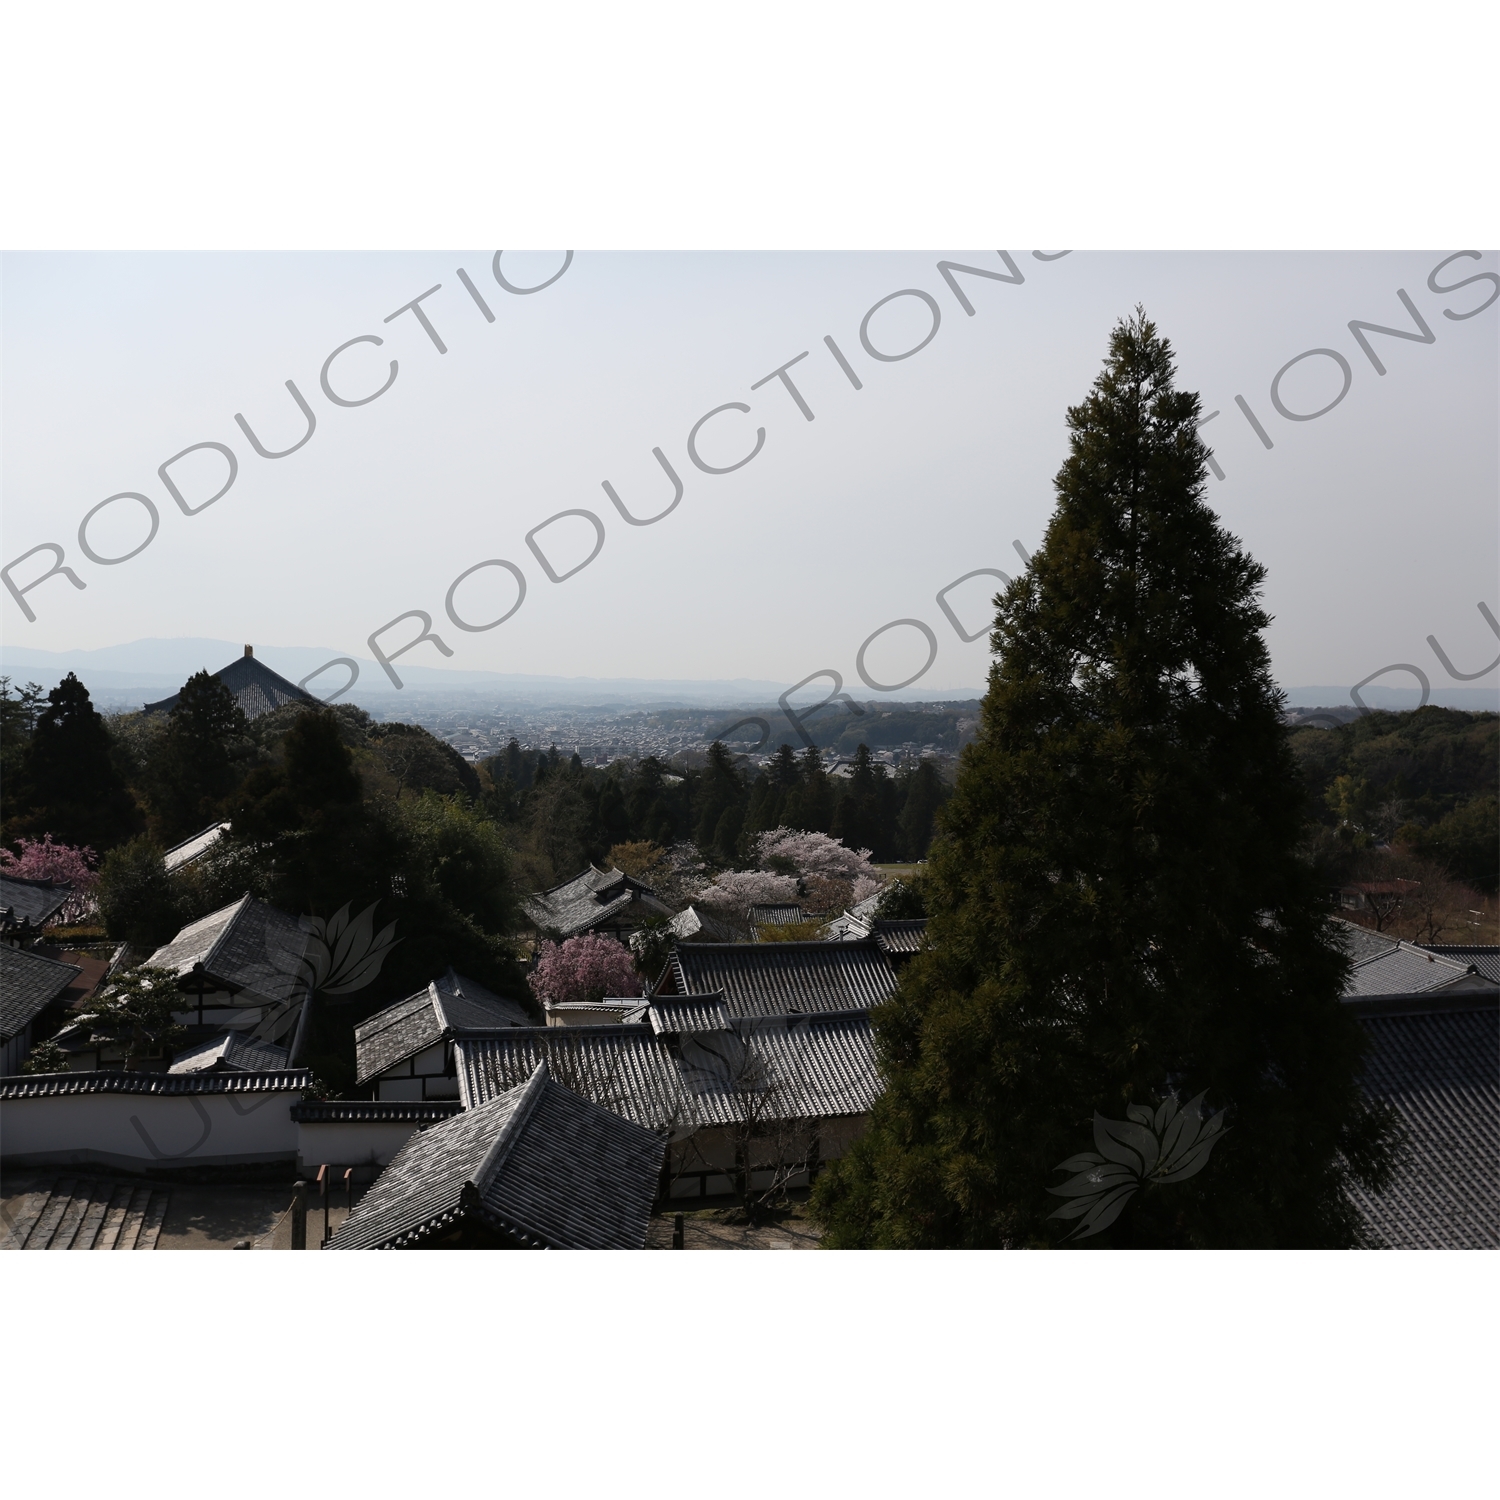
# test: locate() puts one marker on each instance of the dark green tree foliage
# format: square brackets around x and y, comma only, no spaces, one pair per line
[923,794]
[902,901]
[200,760]
[138,1010]
[866,814]
[420,761]
[1428,780]
[716,804]
[659,812]
[69,786]
[1117,910]
[311,825]
[436,867]
[772,789]
[137,898]
[18,715]
[810,805]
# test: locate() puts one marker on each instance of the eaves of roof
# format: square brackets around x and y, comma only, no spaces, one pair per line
[374,1111]
[59,1085]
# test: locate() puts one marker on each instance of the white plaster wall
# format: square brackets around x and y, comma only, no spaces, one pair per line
[348,1143]
[137,1130]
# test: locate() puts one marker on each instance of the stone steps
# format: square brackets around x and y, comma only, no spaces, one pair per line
[95,1214]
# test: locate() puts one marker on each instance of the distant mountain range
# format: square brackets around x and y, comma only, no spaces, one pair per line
[150,669]
[153,669]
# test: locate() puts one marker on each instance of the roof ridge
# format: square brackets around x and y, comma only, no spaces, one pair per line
[234,916]
[510,1132]
[221,823]
[1431,957]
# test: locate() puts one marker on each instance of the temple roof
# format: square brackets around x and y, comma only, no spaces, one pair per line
[253,685]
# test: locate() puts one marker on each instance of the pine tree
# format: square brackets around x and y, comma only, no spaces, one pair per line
[1118,914]
[70,787]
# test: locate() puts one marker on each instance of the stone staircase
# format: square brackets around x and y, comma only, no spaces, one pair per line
[81,1213]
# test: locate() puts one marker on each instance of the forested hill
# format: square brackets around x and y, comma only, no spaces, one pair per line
[1427,780]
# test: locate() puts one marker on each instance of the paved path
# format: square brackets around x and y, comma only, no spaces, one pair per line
[710,1229]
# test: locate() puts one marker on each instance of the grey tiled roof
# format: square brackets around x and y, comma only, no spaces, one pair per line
[374,1111]
[34,901]
[776,916]
[52,1085]
[1362,942]
[254,686]
[194,848]
[412,1025]
[1407,970]
[29,983]
[783,1067]
[894,935]
[628,1069]
[1484,957]
[246,946]
[537,1162]
[684,1014]
[774,1067]
[231,1051]
[589,900]
[904,936]
[1439,1069]
[759,979]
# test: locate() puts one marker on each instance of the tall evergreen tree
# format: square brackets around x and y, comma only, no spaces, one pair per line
[809,805]
[1118,914]
[857,819]
[195,767]
[719,791]
[924,793]
[772,789]
[308,817]
[69,785]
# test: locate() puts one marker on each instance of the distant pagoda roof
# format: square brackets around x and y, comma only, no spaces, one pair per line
[254,686]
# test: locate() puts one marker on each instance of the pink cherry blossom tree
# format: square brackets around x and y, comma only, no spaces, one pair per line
[584,968]
[41,859]
[813,854]
[733,893]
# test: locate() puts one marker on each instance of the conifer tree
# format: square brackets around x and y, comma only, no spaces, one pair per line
[195,767]
[70,787]
[865,817]
[810,805]
[719,791]
[925,792]
[1118,913]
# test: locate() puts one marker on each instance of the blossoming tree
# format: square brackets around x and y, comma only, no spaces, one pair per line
[41,859]
[584,968]
[733,893]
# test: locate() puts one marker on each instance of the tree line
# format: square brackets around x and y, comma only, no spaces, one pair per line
[564,814]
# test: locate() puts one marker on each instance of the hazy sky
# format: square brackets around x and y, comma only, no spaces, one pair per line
[1378,520]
